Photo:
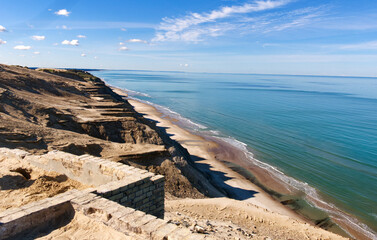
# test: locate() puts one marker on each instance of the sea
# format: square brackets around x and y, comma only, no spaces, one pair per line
[316,133]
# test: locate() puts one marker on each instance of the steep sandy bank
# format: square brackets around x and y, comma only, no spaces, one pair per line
[75,112]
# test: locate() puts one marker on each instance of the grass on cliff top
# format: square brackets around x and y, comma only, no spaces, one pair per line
[71,73]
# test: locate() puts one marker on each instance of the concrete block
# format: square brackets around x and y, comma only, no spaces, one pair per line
[157,178]
[139,193]
[124,212]
[36,208]
[152,225]
[133,216]
[85,199]
[124,199]
[9,212]
[115,191]
[144,220]
[179,234]
[14,216]
[139,198]
[163,231]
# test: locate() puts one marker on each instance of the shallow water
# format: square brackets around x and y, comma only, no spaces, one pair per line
[319,130]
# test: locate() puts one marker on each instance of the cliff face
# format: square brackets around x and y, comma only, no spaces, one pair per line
[75,112]
[78,105]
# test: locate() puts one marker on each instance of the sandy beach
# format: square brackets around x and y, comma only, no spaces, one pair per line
[228,169]
[202,150]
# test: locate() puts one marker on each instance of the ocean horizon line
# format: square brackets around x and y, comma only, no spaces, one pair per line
[230,73]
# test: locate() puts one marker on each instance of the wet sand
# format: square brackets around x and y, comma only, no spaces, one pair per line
[202,152]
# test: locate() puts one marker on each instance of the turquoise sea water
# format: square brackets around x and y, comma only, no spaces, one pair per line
[321,131]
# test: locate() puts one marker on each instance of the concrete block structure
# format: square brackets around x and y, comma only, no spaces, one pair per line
[127,199]
[126,185]
[45,214]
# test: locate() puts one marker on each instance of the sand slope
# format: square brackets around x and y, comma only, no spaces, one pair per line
[227,215]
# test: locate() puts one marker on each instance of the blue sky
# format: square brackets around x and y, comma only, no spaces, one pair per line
[320,37]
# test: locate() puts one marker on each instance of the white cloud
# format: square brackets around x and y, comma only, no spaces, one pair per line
[36,53]
[123,29]
[121,43]
[22,47]
[81,36]
[188,28]
[63,12]
[95,57]
[184,65]
[2,28]
[83,55]
[2,42]
[38,38]
[73,42]
[55,44]
[360,46]
[135,40]
[123,48]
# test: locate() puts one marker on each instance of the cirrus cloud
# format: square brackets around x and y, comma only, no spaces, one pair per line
[123,48]
[360,46]
[190,27]
[22,47]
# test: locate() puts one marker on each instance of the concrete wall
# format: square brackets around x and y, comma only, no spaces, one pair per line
[86,169]
[37,216]
[55,212]
[128,220]
[146,194]
[129,186]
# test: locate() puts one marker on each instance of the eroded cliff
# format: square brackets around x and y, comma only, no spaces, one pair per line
[73,111]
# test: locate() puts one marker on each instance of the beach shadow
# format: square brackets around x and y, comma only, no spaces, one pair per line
[154,123]
[218,179]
